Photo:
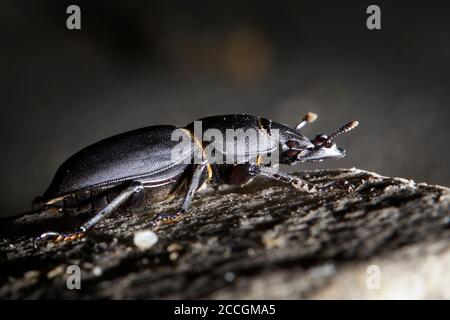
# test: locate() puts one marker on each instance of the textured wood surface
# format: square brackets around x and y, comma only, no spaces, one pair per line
[266,240]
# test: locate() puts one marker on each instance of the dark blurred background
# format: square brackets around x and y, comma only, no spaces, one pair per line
[139,63]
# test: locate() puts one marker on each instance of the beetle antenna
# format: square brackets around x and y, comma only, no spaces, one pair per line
[349,126]
[308,118]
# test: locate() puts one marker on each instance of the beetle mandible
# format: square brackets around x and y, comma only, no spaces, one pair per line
[138,167]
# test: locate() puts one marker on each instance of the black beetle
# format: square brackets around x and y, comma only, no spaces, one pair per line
[139,166]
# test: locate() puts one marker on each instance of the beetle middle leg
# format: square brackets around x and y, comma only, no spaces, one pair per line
[121,198]
[193,186]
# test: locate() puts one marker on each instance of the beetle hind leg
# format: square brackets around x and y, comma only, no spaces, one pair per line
[121,198]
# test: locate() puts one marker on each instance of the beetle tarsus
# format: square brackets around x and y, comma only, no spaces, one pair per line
[303,186]
[342,185]
[54,237]
[166,218]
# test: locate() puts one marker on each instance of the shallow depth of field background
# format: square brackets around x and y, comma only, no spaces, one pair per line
[139,63]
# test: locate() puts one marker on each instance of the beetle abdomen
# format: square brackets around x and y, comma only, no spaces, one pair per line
[143,154]
[97,198]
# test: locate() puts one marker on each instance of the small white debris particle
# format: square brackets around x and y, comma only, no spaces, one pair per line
[229,276]
[97,271]
[145,239]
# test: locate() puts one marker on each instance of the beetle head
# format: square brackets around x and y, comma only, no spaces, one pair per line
[296,149]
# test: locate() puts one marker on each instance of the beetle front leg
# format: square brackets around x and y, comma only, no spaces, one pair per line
[110,208]
[193,186]
[295,181]
[299,183]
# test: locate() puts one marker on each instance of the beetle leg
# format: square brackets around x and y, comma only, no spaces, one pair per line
[110,208]
[300,183]
[113,205]
[193,186]
[58,237]
[295,181]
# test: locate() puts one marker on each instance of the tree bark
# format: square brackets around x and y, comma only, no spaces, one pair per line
[266,240]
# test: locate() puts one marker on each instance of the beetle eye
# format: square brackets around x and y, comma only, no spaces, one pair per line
[292,144]
[320,139]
